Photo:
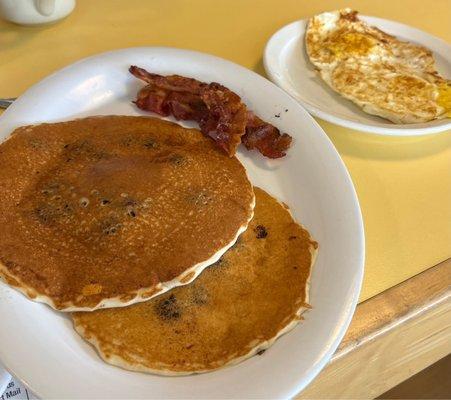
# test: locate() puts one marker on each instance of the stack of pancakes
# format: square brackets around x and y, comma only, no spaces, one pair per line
[169,259]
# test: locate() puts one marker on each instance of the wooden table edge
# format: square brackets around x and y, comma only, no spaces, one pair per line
[392,336]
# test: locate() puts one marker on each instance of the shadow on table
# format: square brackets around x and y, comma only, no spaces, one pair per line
[13,35]
[259,68]
[380,147]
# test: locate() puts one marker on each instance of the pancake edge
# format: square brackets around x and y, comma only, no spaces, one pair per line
[119,362]
[185,278]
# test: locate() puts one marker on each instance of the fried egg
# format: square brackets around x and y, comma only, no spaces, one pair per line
[387,77]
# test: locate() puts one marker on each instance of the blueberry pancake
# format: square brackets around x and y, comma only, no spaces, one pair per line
[236,308]
[109,211]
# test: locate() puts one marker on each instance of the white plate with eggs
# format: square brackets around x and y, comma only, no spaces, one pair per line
[288,65]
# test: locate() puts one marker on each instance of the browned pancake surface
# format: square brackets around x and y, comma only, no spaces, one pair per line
[102,207]
[235,308]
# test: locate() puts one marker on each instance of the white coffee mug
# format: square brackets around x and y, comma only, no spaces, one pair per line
[35,12]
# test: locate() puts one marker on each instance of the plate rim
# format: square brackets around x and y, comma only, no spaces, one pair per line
[360,250]
[344,122]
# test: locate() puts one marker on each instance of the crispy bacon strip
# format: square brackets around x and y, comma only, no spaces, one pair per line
[182,105]
[219,111]
[174,83]
[265,137]
[225,121]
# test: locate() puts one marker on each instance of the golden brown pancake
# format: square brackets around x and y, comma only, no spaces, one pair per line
[236,308]
[108,211]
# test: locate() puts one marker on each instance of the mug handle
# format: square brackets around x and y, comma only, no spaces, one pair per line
[45,7]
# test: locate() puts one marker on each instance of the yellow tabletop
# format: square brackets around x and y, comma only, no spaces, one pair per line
[403,184]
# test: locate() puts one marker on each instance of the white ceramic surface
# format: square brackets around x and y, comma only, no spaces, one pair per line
[287,65]
[35,12]
[312,179]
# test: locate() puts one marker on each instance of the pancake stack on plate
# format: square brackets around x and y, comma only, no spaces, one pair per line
[104,213]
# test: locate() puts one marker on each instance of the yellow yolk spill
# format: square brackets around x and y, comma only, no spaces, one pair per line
[444,97]
[350,43]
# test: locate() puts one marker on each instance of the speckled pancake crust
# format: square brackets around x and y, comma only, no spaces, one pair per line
[236,308]
[109,211]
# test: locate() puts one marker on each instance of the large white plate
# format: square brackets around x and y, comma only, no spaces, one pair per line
[287,65]
[312,179]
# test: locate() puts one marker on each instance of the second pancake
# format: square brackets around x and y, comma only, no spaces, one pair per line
[236,308]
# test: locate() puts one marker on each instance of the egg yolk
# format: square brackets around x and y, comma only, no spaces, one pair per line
[444,97]
[350,43]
